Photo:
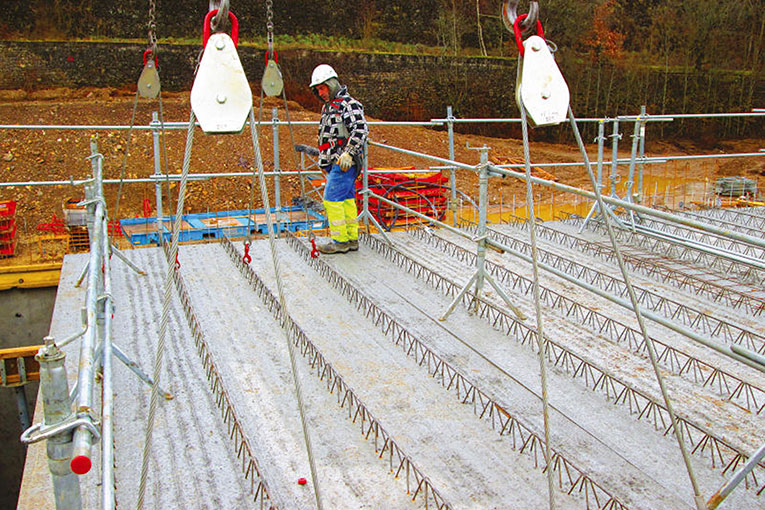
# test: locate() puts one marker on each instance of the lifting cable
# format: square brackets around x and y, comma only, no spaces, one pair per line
[527,97]
[173,255]
[512,22]
[272,72]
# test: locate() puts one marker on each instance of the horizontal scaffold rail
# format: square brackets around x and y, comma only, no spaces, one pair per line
[721,453]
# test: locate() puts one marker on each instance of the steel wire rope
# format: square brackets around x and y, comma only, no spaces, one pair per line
[165,312]
[698,498]
[285,319]
[541,340]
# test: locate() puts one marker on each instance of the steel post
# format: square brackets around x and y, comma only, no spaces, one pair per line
[614,158]
[107,402]
[277,169]
[155,131]
[452,171]
[643,114]
[21,402]
[54,390]
[483,205]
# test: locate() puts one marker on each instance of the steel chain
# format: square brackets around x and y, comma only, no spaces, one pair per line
[152,25]
[270,26]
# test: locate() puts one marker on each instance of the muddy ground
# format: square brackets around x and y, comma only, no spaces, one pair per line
[55,155]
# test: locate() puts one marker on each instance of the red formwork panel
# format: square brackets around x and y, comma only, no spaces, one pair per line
[422,193]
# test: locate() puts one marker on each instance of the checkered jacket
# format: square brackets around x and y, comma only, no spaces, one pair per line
[342,127]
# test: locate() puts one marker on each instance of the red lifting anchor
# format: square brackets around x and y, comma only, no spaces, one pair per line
[314,251]
[247,259]
[177,262]
[234,27]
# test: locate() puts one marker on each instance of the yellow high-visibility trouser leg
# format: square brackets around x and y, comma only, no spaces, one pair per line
[351,218]
[337,225]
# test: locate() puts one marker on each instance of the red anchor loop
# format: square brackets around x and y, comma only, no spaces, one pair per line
[247,259]
[314,251]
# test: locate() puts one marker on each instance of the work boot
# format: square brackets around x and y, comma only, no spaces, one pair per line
[353,245]
[333,247]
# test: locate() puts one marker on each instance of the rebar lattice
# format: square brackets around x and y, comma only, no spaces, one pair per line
[399,463]
[728,385]
[570,478]
[242,446]
[720,452]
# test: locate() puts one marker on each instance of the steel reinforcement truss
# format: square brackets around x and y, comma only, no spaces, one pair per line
[748,218]
[720,453]
[242,445]
[723,265]
[733,298]
[726,384]
[571,479]
[721,220]
[399,463]
[693,318]
[698,236]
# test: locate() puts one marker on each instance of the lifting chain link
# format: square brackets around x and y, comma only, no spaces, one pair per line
[509,14]
[152,25]
[270,26]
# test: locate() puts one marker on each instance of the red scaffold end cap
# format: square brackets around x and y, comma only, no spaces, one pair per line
[302,481]
[80,464]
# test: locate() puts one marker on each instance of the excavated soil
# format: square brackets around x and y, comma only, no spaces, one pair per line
[56,155]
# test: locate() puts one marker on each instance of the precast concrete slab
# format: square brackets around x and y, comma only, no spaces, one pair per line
[402,409]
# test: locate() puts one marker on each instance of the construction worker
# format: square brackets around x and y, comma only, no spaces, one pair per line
[343,132]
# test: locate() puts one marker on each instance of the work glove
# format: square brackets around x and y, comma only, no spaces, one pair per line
[345,161]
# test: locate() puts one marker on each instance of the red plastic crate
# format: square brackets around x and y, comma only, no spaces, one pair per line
[7,249]
[7,214]
[8,235]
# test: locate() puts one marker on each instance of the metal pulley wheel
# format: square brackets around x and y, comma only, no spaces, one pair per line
[272,82]
[148,82]
[221,97]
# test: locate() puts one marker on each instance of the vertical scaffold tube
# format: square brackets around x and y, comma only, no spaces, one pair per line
[54,389]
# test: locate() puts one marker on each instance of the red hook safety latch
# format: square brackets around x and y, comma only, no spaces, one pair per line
[146,57]
[517,31]
[247,259]
[177,262]
[314,251]
[234,27]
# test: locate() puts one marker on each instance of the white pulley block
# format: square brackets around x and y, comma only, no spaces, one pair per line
[541,87]
[148,82]
[272,82]
[221,97]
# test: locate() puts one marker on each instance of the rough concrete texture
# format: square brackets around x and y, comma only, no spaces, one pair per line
[452,441]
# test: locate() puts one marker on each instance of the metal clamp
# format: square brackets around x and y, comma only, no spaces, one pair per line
[71,423]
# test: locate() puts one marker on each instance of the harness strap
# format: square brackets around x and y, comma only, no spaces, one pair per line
[339,142]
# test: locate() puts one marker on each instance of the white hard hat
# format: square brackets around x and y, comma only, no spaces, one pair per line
[322,73]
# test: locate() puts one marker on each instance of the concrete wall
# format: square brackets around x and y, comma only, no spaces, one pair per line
[25,319]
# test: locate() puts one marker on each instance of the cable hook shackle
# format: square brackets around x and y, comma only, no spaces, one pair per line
[519,36]
[207,27]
